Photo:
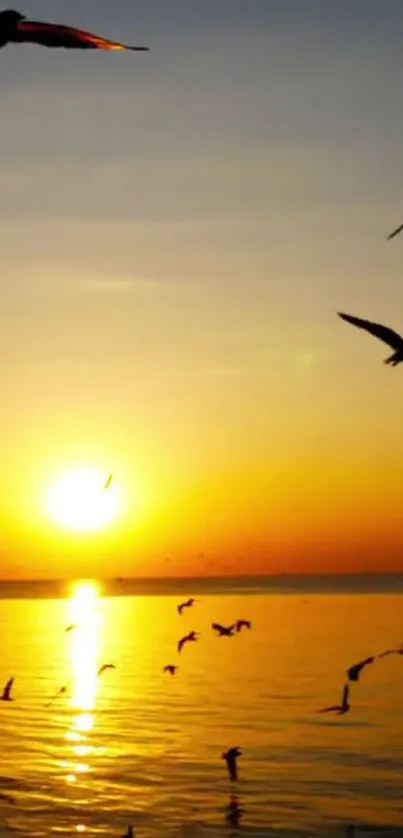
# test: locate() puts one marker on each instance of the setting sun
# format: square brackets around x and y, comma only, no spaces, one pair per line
[83,500]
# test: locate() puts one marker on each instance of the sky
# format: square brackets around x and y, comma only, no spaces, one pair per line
[179,230]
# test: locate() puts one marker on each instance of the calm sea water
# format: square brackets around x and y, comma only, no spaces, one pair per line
[137,746]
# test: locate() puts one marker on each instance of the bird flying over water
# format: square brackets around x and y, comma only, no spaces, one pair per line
[104,667]
[7,690]
[222,631]
[15,28]
[188,638]
[240,624]
[353,673]
[187,604]
[342,708]
[231,757]
[395,232]
[388,336]
[171,669]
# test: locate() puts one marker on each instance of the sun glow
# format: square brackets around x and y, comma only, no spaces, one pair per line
[80,500]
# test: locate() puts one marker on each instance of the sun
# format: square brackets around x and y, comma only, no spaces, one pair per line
[83,500]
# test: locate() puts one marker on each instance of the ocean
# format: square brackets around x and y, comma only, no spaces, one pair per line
[137,746]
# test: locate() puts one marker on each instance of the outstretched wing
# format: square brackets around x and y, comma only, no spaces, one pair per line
[217,627]
[382,332]
[57,35]
[330,709]
[181,643]
[8,688]
[395,232]
[345,695]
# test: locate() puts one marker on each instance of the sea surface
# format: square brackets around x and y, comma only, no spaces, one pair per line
[135,745]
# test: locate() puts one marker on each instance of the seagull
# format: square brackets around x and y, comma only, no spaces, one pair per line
[171,669]
[223,631]
[15,28]
[7,690]
[187,604]
[342,708]
[395,232]
[231,757]
[353,673]
[192,636]
[242,624]
[108,482]
[59,692]
[104,667]
[383,333]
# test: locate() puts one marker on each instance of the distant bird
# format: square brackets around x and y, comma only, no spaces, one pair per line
[171,669]
[104,667]
[240,624]
[353,673]
[71,627]
[342,708]
[383,333]
[108,482]
[223,631]
[231,757]
[188,638]
[187,604]
[15,28]
[59,692]
[7,690]
[395,232]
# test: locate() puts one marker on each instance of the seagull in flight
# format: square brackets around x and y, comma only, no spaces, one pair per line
[395,232]
[104,667]
[15,28]
[383,333]
[7,690]
[188,638]
[353,673]
[187,604]
[240,624]
[223,631]
[342,708]
[171,669]
[231,757]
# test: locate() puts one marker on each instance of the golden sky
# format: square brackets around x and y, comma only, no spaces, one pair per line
[179,230]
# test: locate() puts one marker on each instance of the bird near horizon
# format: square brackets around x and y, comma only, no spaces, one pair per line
[383,333]
[187,604]
[395,232]
[188,638]
[171,668]
[231,757]
[15,28]
[223,631]
[104,667]
[342,708]
[353,673]
[6,695]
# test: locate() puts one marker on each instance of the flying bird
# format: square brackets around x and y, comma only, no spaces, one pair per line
[188,638]
[71,627]
[7,690]
[231,757]
[240,624]
[342,708]
[108,482]
[383,333]
[395,232]
[353,673]
[187,604]
[223,631]
[104,667]
[15,28]
[171,669]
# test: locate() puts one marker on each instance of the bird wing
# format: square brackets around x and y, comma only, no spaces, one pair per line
[395,232]
[382,332]
[346,691]
[217,627]
[329,709]
[108,482]
[106,666]
[181,643]
[58,35]
[8,687]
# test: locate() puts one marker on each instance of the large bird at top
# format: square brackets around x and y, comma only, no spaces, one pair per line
[383,333]
[15,28]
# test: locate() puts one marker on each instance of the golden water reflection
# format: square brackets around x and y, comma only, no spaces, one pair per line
[84,647]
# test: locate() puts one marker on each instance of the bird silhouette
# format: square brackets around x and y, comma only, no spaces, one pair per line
[353,673]
[223,631]
[15,28]
[395,232]
[231,757]
[7,690]
[171,669]
[187,604]
[383,333]
[71,627]
[188,638]
[240,624]
[342,708]
[108,482]
[104,667]
[62,691]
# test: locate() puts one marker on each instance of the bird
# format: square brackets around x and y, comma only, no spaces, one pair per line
[353,673]
[171,669]
[15,28]
[383,333]
[104,667]
[240,624]
[231,757]
[342,708]
[71,627]
[223,631]
[7,690]
[188,638]
[187,604]
[108,482]
[395,232]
